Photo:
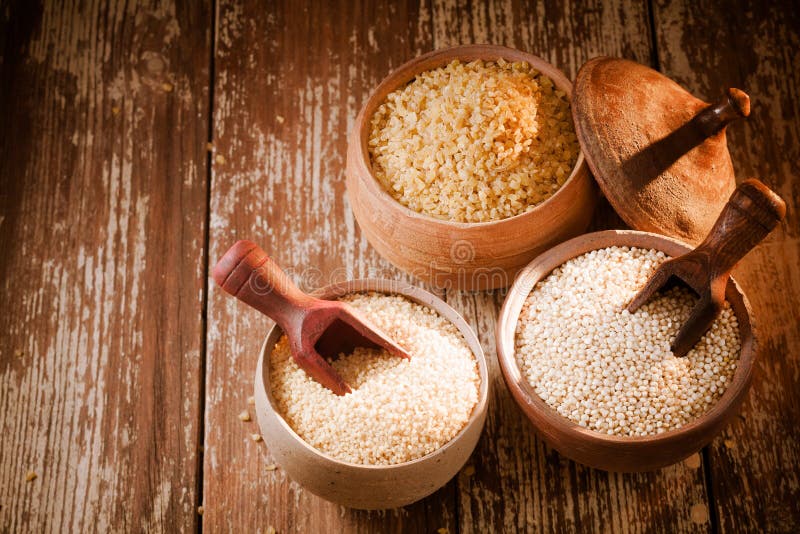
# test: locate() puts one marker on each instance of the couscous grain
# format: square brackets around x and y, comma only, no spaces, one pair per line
[474,142]
[399,409]
[612,371]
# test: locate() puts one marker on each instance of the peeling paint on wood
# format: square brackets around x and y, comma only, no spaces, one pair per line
[103,188]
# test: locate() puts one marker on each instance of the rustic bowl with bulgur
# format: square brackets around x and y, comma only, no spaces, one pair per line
[463,165]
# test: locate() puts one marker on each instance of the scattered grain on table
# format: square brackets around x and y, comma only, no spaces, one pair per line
[699,513]
[244,416]
[31,476]
[693,461]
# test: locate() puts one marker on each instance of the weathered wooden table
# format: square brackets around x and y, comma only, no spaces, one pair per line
[122,369]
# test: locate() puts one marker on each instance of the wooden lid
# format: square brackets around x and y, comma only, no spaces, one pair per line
[659,154]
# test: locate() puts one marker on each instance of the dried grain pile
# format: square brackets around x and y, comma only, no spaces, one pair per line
[474,142]
[399,409]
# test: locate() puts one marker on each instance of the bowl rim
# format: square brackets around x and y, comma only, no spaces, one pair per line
[404,74]
[523,391]
[417,295]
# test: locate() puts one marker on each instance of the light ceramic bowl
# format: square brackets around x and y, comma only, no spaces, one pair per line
[604,451]
[369,486]
[456,254]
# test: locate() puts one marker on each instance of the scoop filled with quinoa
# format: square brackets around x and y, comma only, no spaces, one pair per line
[612,371]
[399,410]
[474,142]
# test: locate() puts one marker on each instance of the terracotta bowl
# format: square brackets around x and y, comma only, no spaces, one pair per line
[456,254]
[596,449]
[367,486]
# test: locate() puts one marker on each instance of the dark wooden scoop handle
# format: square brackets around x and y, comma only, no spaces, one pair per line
[734,105]
[247,273]
[752,211]
[750,214]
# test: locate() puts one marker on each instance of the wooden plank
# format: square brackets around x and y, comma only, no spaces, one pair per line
[519,483]
[103,181]
[291,77]
[755,464]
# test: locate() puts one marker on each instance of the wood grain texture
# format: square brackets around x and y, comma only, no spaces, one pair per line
[103,186]
[755,464]
[291,77]
[103,191]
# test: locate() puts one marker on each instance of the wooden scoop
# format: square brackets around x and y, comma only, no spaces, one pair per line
[751,213]
[317,329]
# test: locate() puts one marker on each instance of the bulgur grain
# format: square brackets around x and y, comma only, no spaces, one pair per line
[693,461]
[474,142]
[699,513]
[399,409]
[244,416]
[612,371]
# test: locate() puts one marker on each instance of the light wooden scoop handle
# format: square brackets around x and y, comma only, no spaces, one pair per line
[247,273]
